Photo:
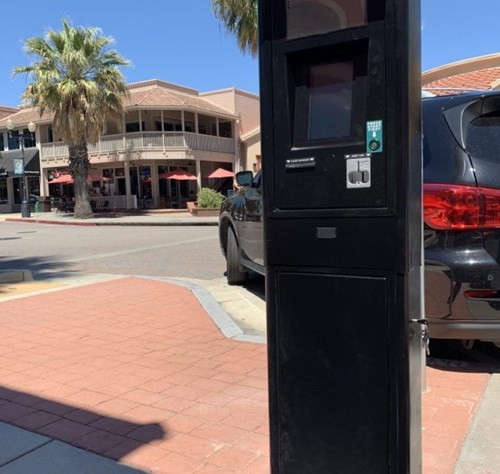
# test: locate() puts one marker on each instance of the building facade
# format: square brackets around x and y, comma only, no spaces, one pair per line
[164,127]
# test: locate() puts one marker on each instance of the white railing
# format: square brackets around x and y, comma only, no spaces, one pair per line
[175,140]
[191,140]
[146,141]
[110,143]
[52,150]
[114,202]
[208,142]
[226,145]
[134,141]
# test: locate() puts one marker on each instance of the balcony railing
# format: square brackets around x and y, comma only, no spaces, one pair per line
[141,141]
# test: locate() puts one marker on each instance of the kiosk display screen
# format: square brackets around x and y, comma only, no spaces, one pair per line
[312,17]
[330,101]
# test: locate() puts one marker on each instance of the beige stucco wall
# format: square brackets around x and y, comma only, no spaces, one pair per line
[248,107]
[242,103]
[223,98]
[249,151]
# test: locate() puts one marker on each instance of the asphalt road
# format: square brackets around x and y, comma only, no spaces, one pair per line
[50,251]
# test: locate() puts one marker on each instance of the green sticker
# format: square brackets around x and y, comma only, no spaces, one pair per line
[374,137]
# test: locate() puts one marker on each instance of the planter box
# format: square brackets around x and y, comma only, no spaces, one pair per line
[202,211]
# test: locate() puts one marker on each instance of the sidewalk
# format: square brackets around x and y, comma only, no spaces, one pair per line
[135,371]
[151,218]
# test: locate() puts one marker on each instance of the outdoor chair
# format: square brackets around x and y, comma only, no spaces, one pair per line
[175,203]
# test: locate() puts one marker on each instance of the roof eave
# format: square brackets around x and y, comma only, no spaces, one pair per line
[461,67]
[185,108]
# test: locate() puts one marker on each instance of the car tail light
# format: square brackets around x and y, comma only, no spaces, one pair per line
[455,207]
[482,294]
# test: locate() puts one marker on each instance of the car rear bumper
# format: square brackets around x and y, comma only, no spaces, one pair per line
[483,330]
[455,279]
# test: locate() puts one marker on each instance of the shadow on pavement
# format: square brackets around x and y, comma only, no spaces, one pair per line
[256,284]
[452,355]
[81,427]
[39,267]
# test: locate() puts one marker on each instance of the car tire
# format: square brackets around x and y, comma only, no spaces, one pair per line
[235,275]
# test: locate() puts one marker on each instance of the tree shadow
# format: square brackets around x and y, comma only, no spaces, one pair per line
[83,428]
[41,268]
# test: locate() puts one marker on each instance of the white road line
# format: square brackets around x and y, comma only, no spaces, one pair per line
[98,256]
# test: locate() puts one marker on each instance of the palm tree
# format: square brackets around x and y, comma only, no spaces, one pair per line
[240,18]
[76,77]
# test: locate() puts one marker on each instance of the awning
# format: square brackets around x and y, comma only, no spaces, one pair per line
[31,162]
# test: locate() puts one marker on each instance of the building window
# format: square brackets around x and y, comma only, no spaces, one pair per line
[131,127]
[29,139]
[1,142]
[14,140]
[4,197]
[206,125]
[226,129]
[172,126]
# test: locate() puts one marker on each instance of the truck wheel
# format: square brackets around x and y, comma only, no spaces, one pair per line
[235,275]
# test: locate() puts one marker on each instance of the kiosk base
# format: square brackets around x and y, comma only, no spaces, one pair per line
[332,354]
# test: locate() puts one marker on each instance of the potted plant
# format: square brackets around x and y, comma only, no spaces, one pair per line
[208,202]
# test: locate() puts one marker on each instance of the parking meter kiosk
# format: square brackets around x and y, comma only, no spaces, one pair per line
[341,144]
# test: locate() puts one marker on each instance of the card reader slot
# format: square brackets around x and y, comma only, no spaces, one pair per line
[297,163]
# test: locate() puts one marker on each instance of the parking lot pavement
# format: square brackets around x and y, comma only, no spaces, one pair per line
[135,370]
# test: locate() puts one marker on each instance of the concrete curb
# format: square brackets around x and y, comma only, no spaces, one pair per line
[221,319]
[123,223]
[42,221]
[15,276]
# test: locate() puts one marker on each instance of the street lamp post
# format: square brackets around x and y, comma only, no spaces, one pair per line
[25,205]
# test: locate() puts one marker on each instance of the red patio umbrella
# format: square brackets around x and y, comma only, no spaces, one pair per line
[68,179]
[62,179]
[221,173]
[95,177]
[179,174]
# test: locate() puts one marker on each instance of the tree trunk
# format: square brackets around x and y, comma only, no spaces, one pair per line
[79,167]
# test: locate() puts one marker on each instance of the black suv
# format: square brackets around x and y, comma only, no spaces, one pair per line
[461,157]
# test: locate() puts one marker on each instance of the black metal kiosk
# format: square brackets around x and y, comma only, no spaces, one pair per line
[341,144]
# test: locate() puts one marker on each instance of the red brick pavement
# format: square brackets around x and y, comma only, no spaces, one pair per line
[135,370]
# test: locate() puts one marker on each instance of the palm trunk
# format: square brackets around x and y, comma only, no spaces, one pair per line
[79,166]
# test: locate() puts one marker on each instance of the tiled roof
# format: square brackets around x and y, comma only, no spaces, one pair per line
[484,79]
[478,73]
[24,116]
[5,111]
[152,93]
[156,95]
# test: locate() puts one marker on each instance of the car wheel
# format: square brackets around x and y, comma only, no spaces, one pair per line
[235,275]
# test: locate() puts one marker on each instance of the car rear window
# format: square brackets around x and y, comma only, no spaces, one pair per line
[483,137]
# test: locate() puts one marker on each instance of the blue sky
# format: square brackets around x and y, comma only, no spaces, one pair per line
[182,42]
